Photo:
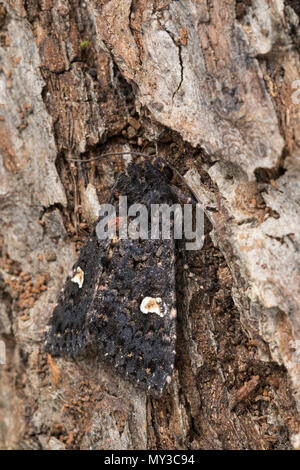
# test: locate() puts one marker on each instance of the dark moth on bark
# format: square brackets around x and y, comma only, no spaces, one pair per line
[105,299]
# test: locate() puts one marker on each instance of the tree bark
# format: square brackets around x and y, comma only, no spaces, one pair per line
[213,86]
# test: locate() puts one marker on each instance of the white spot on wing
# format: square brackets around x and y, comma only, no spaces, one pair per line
[78,278]
[153,305]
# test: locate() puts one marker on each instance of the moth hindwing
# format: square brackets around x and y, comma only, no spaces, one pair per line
[120,297]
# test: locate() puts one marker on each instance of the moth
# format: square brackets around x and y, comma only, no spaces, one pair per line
[120,298]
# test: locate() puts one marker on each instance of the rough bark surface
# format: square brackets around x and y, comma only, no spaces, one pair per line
[212,86]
